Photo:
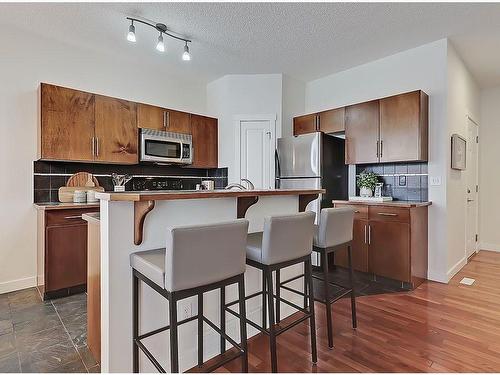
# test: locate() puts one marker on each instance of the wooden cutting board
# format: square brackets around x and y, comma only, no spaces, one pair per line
[66,192]
[80,179]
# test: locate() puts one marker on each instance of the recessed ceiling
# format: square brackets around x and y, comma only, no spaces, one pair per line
[304,40]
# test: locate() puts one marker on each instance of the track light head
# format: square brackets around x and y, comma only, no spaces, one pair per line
[131,33]
[160,46]
[186,56]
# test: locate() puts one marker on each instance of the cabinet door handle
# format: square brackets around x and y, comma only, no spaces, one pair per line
[73,217]
[365,235]
[356,212]
[381,148]
[93,146]
[166,119]
[377,148]
[369,234]
[387,214]
[96,147]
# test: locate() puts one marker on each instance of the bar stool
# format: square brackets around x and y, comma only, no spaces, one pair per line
[334,233]
[197,259]
[285,241]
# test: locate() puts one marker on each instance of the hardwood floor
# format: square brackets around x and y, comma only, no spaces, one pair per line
[435,328]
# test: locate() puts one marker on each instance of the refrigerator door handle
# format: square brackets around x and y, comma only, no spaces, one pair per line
[278,169]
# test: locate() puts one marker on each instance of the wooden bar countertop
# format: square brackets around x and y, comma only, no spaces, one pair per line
[137,196]
[403,204]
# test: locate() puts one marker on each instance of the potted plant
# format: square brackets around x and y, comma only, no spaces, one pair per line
[366,182]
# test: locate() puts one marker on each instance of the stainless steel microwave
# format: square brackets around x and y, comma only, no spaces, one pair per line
[165,147]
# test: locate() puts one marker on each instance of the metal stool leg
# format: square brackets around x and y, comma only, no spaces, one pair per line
[305,288]
[278,302]
[243,325]
[200,329]
[272,332]
[353,293]
[135,322]
[264,307]
[312,320]
[222,319]
[174,344]
[328,305]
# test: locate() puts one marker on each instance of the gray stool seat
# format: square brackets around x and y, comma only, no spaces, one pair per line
[150,263]
[334,233]
[287,240]
[196,259]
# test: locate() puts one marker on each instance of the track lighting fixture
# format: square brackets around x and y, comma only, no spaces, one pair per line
[162,29]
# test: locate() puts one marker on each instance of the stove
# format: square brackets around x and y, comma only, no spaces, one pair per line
[164,183]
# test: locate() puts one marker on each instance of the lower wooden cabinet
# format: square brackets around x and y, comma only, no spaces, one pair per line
[62,252]
[359,248]
[389,241]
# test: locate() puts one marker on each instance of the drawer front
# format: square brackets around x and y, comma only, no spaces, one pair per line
[67,216]
[360,211]
[391,214]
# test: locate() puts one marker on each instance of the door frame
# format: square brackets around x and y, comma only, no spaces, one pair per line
[238,120]
[470,121]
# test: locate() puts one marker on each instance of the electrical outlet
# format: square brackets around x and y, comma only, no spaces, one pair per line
[435,180]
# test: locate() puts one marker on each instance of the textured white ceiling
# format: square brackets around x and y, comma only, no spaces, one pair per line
[305,40]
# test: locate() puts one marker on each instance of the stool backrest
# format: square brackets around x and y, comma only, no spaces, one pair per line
[287,237]
[335,226]
[203,254]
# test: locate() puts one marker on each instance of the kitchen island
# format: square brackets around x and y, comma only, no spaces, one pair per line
[135,221]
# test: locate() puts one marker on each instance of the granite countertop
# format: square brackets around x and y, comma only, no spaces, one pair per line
[92,217]
[62,206]
[404,204]
[200,194]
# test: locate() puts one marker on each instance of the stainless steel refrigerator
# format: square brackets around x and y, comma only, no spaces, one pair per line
[314,160]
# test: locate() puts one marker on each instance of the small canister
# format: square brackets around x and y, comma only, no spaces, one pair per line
[208,184]
[79,196]
[91,196]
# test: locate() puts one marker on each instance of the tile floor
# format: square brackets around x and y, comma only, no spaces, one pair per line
[44,336]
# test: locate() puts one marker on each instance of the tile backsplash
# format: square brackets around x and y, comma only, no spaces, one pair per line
[50,176]
[402,181]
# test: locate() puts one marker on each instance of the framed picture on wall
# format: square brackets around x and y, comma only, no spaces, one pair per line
[458,152]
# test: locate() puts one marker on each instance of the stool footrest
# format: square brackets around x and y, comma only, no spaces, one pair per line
[149,356]
[223,334]
[154,332]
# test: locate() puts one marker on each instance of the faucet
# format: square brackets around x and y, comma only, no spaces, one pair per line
[249,186]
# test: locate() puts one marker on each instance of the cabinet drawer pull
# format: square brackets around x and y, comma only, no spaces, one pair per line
[73,217]
[369,234]
[387,214]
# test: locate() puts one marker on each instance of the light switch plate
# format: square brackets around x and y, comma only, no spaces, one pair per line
[435,180]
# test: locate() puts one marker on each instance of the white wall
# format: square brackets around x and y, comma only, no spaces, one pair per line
[419,68]
[26,61]
[463,101]
[234,95]
[294,100]
[489,176]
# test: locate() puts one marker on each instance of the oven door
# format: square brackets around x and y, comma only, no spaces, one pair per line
[161,150]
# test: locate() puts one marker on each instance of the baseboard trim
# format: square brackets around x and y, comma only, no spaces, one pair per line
[457,267]
[13,285]
[489,246]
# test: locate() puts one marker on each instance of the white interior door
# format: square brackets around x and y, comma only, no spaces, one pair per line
[472,188]
[257,142]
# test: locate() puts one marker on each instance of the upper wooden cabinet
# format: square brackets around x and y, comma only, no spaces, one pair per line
[362,132]
[205,141]
[404,127]
[80,126]
[305,124]
[332,121]
[152,117]
[116,135]
[67,124]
